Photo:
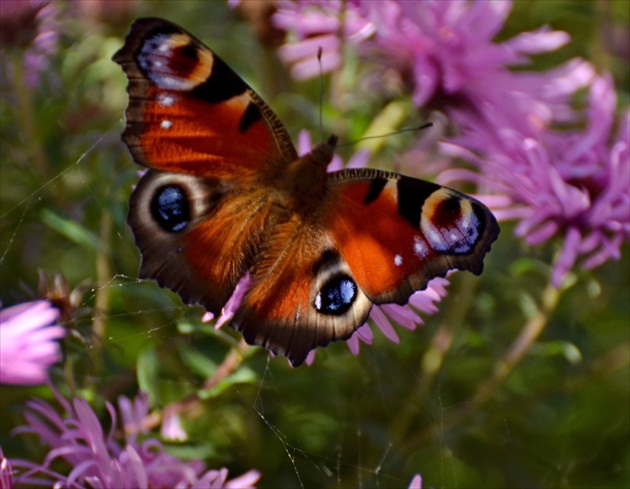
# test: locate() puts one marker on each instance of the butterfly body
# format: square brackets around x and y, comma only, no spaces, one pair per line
[228,196]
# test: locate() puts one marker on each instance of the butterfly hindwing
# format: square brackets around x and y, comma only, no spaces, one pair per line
[303,294]
[197,236]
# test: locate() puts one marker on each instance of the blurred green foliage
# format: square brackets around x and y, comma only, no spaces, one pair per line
[561,419]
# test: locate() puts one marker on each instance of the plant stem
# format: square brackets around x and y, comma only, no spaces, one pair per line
[103,275]
[460,301]
[232,360]
[26,112]
[530,332]
[532,329]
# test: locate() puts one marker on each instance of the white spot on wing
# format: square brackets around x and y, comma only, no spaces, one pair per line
[154,59]
[166,124]
[318,301]
[435,238]
[398,260]
[419,247]
[466,219]
[165,99]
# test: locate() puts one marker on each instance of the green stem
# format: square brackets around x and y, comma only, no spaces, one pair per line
[529,334]
[231,362]
[532,329]
[26,112]
[460,302]
[103,275]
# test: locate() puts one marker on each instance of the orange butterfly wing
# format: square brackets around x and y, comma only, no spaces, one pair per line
[397,233]
[197,236]
[211,143]
[189,112]
[285,307]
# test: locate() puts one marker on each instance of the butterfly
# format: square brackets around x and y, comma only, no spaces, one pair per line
[227,195]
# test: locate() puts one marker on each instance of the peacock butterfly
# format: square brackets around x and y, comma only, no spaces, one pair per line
[226,195]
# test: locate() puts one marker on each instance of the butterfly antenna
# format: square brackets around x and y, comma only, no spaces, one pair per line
[404,129]
[321,93]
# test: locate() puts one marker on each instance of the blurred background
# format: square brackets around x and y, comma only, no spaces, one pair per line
[445,402]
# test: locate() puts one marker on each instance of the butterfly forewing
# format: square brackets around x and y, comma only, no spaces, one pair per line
[396,233]
[189,112]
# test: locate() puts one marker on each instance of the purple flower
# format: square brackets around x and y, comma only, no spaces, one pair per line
[172,428]
[97,460]
[6,472]
[416,482]
[19,20]
[442,52]
[572,183]
[316,25]
[406,316]
[28,343]
[233,303]
[30,25]
[445,49]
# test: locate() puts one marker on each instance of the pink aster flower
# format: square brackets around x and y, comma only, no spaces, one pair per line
[28,342]
[416,482]
[574,184]
[228,311]
[445,51]
[6,472]
[442,52]
[31,26]
[98,460]
[316,25]
[406,316]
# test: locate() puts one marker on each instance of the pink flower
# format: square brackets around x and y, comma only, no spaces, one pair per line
[230,307]
[316,26]
[443,53]
[6,472]
[28,345]
[32,27]
[405,316]
[98,460]
[416,482]
[574,183]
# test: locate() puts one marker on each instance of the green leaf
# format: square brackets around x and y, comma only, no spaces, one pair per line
[243,375]
[558,348]
[71,230]
[197,361]
[148,365]
[527,264]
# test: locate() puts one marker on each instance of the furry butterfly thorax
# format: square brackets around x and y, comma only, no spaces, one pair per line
[226,195]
